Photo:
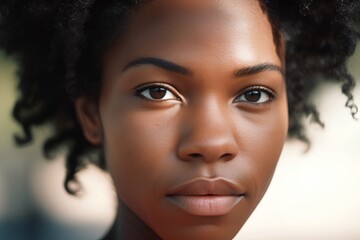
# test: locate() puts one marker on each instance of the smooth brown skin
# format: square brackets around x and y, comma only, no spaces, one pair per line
[200,130]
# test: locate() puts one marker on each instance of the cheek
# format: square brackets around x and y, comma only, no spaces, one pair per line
[138,148]
[262,144]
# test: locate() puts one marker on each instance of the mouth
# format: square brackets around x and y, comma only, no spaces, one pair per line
[206,197]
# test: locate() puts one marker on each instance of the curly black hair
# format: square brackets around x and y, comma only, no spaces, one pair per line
[58,46]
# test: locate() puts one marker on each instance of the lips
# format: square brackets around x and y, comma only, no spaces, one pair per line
[206,197]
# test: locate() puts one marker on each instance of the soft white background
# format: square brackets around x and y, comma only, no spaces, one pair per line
[314,195]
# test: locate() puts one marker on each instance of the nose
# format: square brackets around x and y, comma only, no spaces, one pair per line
[208,134]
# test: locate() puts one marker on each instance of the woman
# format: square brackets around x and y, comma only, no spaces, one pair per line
[186,103]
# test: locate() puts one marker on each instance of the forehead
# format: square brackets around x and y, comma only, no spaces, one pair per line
[191,28]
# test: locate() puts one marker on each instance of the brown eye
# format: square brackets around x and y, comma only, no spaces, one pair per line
[253,96]
[256,95]
[156,93]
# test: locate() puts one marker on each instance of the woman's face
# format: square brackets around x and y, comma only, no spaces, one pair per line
[193,115]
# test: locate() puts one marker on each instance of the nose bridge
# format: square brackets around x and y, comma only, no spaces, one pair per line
[208,132]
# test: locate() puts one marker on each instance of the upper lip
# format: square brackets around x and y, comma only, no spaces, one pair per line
[207,186]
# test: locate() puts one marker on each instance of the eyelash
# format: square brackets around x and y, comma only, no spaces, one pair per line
[262,90]
[139,91]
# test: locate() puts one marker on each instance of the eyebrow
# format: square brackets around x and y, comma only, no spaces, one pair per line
[158,62]
[173,67]
[255,69]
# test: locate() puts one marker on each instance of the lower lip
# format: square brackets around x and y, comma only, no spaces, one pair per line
[206,205]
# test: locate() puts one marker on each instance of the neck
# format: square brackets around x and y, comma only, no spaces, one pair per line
[129,226]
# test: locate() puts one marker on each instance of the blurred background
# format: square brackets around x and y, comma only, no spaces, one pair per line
[314,195]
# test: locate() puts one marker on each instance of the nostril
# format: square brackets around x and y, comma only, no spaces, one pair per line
[227,156]
[195,155]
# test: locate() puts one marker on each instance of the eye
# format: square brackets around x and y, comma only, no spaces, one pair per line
[156,92]
[256,95]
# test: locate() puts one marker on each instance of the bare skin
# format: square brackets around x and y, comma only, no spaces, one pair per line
[192,118]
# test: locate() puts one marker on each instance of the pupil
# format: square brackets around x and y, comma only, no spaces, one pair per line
[253,96]
[157,92]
